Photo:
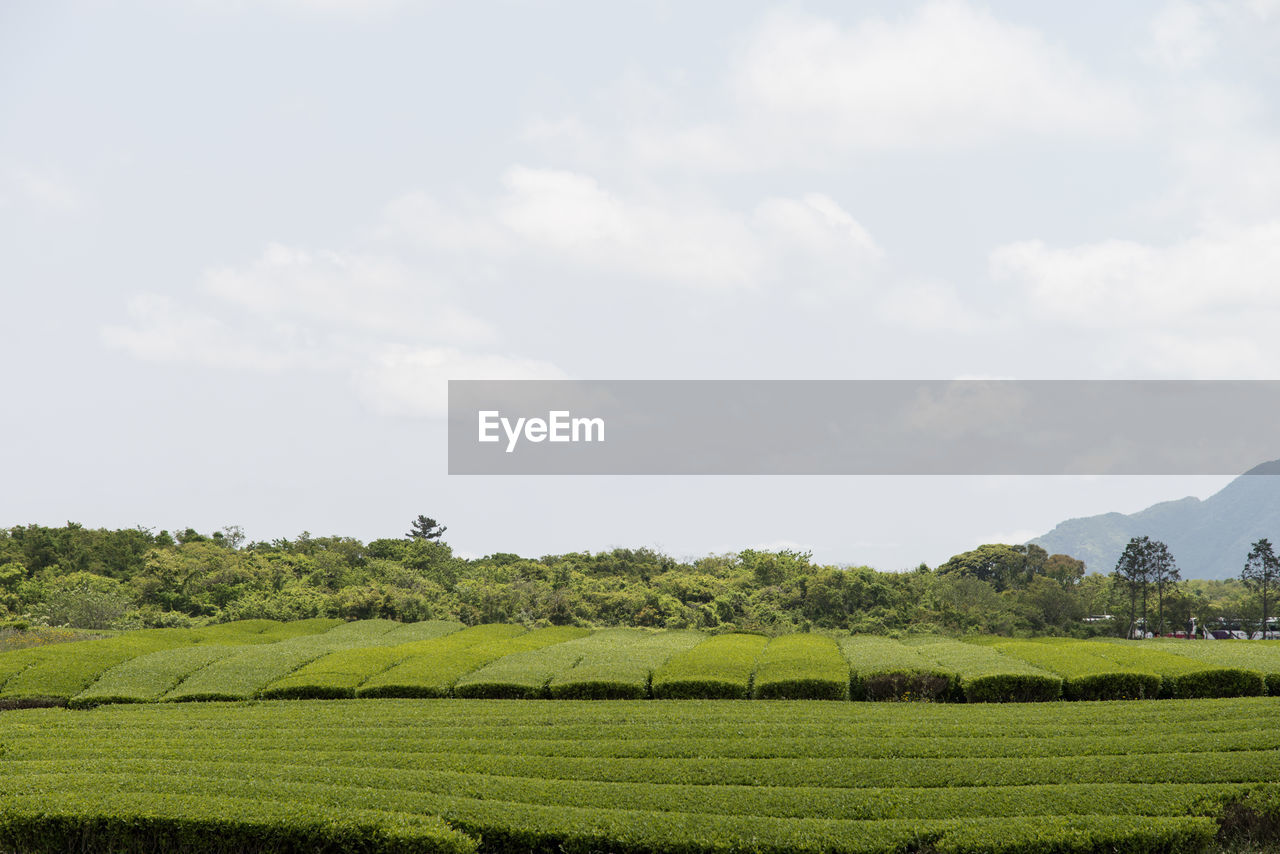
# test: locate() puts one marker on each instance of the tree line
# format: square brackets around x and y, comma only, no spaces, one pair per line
[132,578]
[1146,569]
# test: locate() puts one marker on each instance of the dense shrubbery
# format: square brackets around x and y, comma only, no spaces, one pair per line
[136,578]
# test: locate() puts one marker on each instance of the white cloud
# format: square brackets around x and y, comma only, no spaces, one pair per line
[806,90]
[947,74]
[1226,167]
[49,190]
[1121,283]
[1181,36]
[1204,308]
[1264,9]
[370,293]
[164,331]
[362,318]
[405,381]
[325,7]
[1012,538]
[928,307]
[568,219]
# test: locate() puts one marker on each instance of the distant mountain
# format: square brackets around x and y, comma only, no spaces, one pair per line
[1208,538]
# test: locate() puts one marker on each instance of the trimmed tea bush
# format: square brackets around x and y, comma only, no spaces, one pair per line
[619,664]
[884,669]
[1085,674]
[718,668]
[250,669]
[433,670]
[339,674]
[524,675]
[988,675]
[801,667]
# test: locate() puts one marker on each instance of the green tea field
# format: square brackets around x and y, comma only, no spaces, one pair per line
[637,776]
[329,659]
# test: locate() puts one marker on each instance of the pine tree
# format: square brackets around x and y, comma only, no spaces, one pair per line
[1261,571]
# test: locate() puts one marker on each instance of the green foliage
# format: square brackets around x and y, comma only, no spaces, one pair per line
[986,674]
[525,675]
[619,664]
[146,678]
[801,667]
[1261,572]
[1001,566]
[1257,656]
[1180,676]
[243,674]
[340,673]
[1086,674]
[82,600]
[137,578]
[885,669]
[435,665]
[718,668]
[639,777]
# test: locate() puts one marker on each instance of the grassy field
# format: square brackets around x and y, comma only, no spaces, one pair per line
[646,776]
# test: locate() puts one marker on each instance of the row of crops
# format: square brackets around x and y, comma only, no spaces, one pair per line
[328,659]
[458,776]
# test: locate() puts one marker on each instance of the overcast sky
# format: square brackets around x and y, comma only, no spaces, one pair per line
[244,244]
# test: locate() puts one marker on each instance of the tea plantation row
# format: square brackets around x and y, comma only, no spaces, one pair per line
[327,659]
[697,776]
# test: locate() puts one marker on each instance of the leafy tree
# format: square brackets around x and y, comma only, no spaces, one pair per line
[1002,566]
[1065,570]
[1164,575]
[83,600]
[1144,564]
[425,528]
[1133,575]
[1261,571]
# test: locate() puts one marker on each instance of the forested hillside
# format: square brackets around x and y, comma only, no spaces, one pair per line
[111,579]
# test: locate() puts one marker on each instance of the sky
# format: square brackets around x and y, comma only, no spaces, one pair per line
[244,245]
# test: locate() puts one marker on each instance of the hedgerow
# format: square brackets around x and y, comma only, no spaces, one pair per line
[1181,677]
[1257,656]
[524,675]
[338,674]
[65,670]
[718,668]
[438,664]
[801,667]
[885,669]
[326,658]
[619,664]
[146,678]
[986,675]
[241,675]
[1086,675]
[157,821]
